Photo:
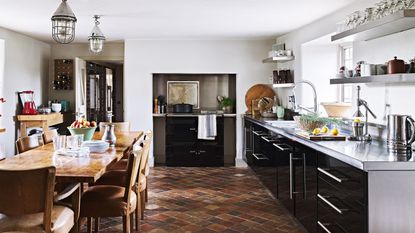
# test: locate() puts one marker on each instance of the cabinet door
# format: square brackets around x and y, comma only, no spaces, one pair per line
[182,155]
[210,154]
[305,176]
[248,141]
[181,130]
[284,180]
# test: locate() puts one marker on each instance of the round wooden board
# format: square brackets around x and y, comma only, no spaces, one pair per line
[256,92]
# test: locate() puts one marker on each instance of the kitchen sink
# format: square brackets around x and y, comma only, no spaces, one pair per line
[282,123]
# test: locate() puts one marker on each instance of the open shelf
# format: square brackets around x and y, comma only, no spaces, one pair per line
[400,21]
[283,85]
[386,78]
[2,130]
[278,59]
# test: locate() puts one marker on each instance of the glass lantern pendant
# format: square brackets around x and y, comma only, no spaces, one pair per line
[63,24]
[97,38]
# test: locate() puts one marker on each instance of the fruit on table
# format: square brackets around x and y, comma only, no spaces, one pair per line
[82,123]
[316,131]
[325,129]
[335,132]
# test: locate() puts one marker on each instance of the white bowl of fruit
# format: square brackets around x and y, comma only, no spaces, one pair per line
[84,127]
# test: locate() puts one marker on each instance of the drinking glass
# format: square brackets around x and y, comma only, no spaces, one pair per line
[391,7]
[399,5]
[74,141]
[59,142]
[368,15]
[378,11]
[409,4]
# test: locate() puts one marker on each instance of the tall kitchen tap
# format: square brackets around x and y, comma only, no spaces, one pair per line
[361,102]
[298,107]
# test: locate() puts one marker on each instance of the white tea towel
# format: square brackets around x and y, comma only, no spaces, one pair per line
[206,129]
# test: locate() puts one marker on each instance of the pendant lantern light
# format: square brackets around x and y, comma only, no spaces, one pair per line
[97,38]
[63,24]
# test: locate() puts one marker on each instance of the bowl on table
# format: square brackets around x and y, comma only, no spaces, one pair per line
[87,132]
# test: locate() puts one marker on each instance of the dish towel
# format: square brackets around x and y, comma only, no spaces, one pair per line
[206,129]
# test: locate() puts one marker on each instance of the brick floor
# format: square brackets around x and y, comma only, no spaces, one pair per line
[208,200]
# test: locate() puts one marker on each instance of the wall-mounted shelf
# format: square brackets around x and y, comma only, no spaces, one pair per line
[380,79]
[2,130]
[283,85]
[278,59]
[400,21]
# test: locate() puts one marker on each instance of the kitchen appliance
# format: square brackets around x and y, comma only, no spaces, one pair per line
[396,66]
[28,102]
[360,102]
[401,134]
[182,108]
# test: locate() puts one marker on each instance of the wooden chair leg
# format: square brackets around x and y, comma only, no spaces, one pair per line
[126,224]
[97,224]
[137,213]
[89,225]
[131,222]
[143,203]
[146,190]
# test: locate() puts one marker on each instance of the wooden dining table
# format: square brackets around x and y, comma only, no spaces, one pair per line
[72,169]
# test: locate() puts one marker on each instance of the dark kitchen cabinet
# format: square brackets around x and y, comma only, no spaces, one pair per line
[342,197]
[184,149]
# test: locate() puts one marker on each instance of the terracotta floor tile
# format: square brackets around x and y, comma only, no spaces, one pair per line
[208,200]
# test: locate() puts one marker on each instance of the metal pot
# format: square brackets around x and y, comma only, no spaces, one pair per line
[182,108]
[396,66]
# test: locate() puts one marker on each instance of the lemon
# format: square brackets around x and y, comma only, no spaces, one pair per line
[316,131]
[325,129]
[335,132]
[357,120]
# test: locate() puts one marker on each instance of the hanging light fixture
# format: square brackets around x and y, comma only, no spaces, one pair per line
[97,38]
[63,24]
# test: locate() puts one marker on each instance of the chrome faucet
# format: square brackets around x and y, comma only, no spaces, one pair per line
[358,113]
[298,107]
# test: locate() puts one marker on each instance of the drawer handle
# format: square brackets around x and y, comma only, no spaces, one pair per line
[340,211]
[192,152]
[283,147]
[323,226]
[193,129]
[325,172]
[260,157]
[269,139]
[259,133]
[202,151]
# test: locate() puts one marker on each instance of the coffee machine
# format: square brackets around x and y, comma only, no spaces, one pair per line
[28,102]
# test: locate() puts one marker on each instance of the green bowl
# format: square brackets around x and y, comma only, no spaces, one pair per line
[87,132]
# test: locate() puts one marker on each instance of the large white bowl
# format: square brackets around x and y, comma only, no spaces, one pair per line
[337,109]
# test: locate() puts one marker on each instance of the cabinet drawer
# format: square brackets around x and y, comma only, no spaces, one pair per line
[181,155]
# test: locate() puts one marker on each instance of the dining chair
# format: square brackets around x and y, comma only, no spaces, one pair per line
[49,135]
[26,143]
[111,200]
[118,177]
[26,205]
[118,126]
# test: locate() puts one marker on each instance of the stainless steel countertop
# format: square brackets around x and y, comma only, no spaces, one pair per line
[190,115]
[363,155]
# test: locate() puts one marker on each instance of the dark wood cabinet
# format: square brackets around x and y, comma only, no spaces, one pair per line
[342,197]
[183,148]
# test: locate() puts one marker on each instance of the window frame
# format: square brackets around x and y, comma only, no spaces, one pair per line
[341,88]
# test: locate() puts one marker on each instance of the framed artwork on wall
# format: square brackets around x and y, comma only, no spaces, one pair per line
[179,92]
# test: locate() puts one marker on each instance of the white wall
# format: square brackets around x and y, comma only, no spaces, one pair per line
[26,68]
[145,57]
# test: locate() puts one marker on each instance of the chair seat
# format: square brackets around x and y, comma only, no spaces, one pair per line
[62,221]
[117,178]
[106,201]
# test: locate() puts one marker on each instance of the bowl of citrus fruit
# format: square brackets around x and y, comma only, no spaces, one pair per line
[83,127]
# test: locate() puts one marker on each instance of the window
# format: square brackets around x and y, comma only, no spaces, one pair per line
[346,55]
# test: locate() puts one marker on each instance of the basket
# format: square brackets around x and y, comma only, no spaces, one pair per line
[308,125]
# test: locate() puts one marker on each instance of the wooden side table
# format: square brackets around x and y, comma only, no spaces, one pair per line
[41,120]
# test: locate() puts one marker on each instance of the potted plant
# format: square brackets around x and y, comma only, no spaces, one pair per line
[226,104]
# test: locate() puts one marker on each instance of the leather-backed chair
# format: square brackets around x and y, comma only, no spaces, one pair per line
[118,126]
[49,135]
[118,177]
[106,200]
[26,205]
[26,143]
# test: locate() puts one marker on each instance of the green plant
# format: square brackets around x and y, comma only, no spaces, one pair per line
[226,101]
[325,120]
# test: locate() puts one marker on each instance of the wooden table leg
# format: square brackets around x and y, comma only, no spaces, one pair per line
[23,131]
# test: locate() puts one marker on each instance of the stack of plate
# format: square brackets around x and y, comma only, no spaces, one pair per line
[96,146]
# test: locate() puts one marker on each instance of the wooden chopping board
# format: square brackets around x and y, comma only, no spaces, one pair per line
[256,92]
[321,137]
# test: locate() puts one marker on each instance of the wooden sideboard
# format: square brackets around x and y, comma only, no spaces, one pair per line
[41,120]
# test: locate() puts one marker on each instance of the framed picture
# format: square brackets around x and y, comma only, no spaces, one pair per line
[179,92]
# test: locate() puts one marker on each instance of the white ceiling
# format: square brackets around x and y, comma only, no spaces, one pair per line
[170,19]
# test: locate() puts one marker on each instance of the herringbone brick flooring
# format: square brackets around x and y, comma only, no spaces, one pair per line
[207,200]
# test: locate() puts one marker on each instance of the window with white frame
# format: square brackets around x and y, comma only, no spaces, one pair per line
[346,60]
